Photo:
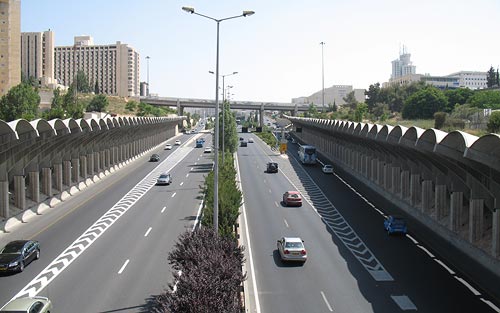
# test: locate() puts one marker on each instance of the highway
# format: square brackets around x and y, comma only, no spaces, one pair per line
[353,266]
[125,264]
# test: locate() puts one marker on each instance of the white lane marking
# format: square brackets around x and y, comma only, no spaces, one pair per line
[426,251]
[412,239]
[198,215]
[147,232]
[276,204]
[326,301]
[404,302]
[249,245]
[163,210]
[491,305]
[445,267]
[182,183]
[286,223]
[173,195]
[89,236]
[466,284]
[192,168]
[195,163]
[123,267]
[187,175]
[270,191]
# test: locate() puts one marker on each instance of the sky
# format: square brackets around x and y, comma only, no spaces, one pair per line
[277,51]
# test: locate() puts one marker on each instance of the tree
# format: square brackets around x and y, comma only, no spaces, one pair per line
[494,122]
[211,267]
[230,134]
[71,105]
[485,99]
[312,111]
[82,82]
[99,103]
[439,119]
[96,88]
[359,113]
[350,101]
[491,78]
[131,105]
[457,96]
[372,96]
[381,111]
[424,103]
[56,107]
[21,101]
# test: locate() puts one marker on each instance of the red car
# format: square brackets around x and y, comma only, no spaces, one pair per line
[292,198]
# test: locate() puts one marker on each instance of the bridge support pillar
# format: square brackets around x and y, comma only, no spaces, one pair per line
[495,232]
[405,185]
[4,199]
[476,217]
[47,181]
[107,159]
[456,208]
[97,162]
[427,196]
[90,164]
[387,177]
[373,170]
[83,167]
[440,202]
[261,116]
[67,173]
[34,186]
[75,170]
[102,156]
[396,180]
[19,192]
[415,189]
[380,173]
[58,175]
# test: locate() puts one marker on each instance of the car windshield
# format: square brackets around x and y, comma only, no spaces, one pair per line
[328,166]
[398,221]
[163,176]
[297,245]
[293,195]
[14,248]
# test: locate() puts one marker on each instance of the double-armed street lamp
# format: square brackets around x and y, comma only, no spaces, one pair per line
[322,77]
[223,110]
[216,148]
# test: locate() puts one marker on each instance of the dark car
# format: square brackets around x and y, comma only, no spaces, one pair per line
[395,224]
[272,167]
[241,138]
[154,158]
[17,254]
[243,144]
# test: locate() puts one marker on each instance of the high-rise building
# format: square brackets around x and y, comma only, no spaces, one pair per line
[10,37]
[37,56]
[402,66]
[114,68]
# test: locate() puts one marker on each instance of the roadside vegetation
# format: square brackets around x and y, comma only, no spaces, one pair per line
[421,105]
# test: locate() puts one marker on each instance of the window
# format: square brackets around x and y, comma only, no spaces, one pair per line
[36,307]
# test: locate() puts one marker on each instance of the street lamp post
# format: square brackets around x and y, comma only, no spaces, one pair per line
[147,61]
[322,77]
[216,152]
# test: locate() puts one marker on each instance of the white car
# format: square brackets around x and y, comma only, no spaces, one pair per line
[168,146]
[327,169]
[208,150]
[177,142]
[250,140]
[292,249]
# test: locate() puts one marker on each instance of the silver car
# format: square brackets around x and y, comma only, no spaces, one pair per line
[164,179]
[327,169]
[292,249]
[28,305]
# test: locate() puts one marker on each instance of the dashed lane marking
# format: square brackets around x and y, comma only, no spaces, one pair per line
[163,210]
[445,267]
[173,195]
[148,231]
[182,183]
[286,223]
[326,301]
[123,267]
[466,284]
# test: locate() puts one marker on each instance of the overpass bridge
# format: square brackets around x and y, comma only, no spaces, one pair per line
[181,103]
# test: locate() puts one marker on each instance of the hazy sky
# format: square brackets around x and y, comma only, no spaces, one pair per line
[276,51]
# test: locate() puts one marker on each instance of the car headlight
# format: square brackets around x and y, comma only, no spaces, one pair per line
[13,264]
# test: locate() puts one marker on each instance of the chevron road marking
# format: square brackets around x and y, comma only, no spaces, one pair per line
[71,253]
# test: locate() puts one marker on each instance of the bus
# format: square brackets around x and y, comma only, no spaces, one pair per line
[307,154]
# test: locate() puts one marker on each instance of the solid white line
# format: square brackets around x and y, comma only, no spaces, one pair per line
[123,267]
[173,195]
[147,232]
[182,183]
[286,223]
[326,301]
[466,284]
[426,251]
[491,305]
[445,267]
[163,210]
[412,239]
[198,215]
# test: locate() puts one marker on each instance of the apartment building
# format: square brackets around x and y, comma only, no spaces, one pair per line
[115,67]
[10,37]
[37,57]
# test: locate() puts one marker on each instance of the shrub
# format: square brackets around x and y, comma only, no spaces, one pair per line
[439,119]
